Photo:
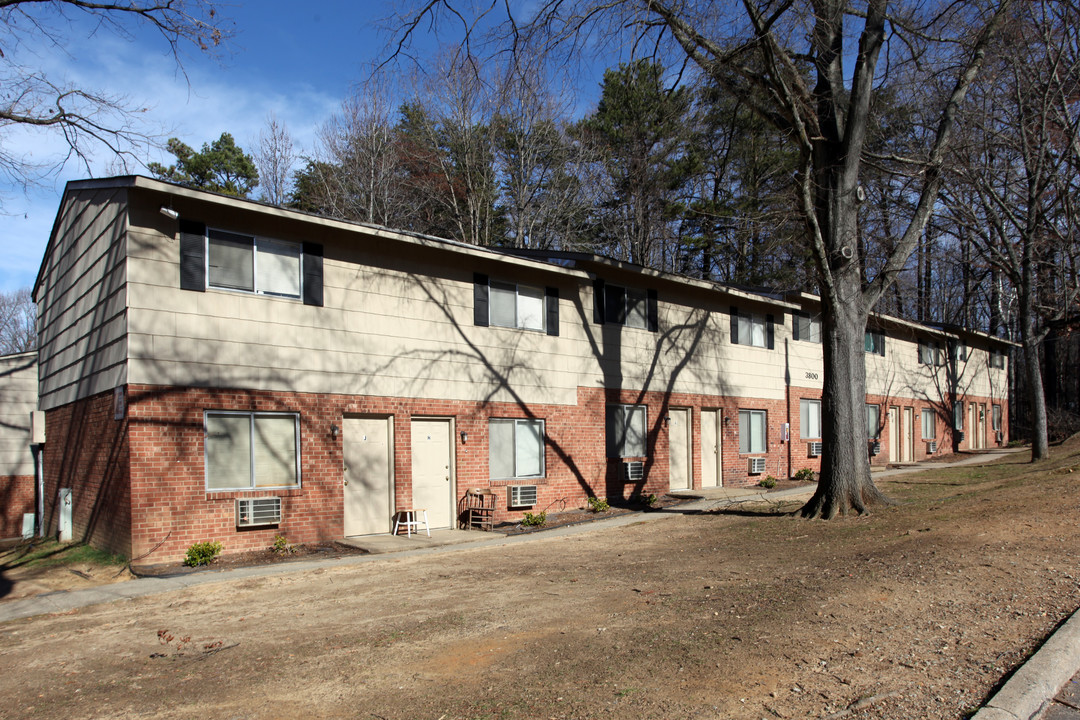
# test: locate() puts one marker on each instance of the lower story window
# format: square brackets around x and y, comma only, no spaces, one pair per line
[995,416]
[751,431]
[246,451]
[516,449]
[626,431]
[929,424]
[873,422]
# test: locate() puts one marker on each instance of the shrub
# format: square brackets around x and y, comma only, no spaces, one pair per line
[537,520]
[598,505]
[282,546]
[769,482]
[202,553]
[650,499]
[805,475]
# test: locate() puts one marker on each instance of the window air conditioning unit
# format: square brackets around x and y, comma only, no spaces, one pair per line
[633,471]
[521,495]
[255,512]
[815,448]
[757,466]
[931,446]
[875,447]
[960,436]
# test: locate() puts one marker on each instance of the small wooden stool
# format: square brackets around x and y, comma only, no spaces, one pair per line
[409,518]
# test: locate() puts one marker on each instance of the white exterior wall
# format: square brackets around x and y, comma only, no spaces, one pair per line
[18,398]
[81,299]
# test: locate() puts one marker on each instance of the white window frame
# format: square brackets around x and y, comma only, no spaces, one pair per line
[633,307]
[617,445]
[808,409]
[252,479]
[929,413]
[749,444]
[297,250]
[515,424]
[809,328]
[873,429]
[997,359]
[752,329]
[501,286]
[995,417]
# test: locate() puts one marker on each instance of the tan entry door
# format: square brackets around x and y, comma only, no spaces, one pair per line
[982,425]
[712,473]
[894,434]
[679,448]
[908,440]
[973,426]
[432,474]
[369,497]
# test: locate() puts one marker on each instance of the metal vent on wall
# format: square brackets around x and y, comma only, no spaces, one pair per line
[815,448]
[521,495]
[757,465]
[931,447]
[255,512]
[634,471]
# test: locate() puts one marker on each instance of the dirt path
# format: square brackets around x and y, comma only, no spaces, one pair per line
[914,612]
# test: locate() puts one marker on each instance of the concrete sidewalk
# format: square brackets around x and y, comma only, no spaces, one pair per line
[1044,687]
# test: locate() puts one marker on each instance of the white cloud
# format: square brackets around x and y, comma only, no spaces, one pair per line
[196,109]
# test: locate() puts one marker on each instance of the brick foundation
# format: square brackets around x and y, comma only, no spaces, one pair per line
[139,483]
[16,498]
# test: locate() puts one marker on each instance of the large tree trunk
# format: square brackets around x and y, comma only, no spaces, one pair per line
[1040,445]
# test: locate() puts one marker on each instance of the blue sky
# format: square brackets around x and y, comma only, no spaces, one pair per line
[297,60]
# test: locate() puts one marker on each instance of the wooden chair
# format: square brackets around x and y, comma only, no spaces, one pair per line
[479,508]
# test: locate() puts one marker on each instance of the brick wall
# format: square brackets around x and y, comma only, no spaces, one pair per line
[16,498]
[87,451]
[139,483]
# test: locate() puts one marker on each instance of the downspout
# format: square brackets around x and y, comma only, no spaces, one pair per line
[39,489]
[787,399]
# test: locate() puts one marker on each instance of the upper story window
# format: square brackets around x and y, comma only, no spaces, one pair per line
[754,329]
[930,353]
[253,264]
[874,342]
[806,327]
[520,306]
[249,263]
[629,307]
[958,351]
[997,359]
[506,304]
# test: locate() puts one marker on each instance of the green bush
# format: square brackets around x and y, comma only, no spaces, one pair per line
[537,520]
[805,475]
[769,482]
[202,553]
[650,499]
[282,546]
[598,505]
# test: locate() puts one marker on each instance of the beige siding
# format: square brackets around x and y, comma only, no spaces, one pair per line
[18,398]
[81,299]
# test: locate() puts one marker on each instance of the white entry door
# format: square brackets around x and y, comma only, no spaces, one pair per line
[369,497]
[432,472]
[908,450]
[679,448]
[712,473]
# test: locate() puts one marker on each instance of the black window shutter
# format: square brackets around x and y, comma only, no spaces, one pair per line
[313,274]
[734,325]
[480,299]
[192,255]
[551,298]
[652,314]
[598,301]
[922,353]
[881,345]
[769,331]
[796,320]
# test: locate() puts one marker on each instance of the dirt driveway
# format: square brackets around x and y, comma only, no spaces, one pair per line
[914,612]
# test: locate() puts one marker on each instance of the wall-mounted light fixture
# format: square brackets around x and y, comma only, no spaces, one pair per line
[334,430]
[726,418]
[464,437]
[169,212]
